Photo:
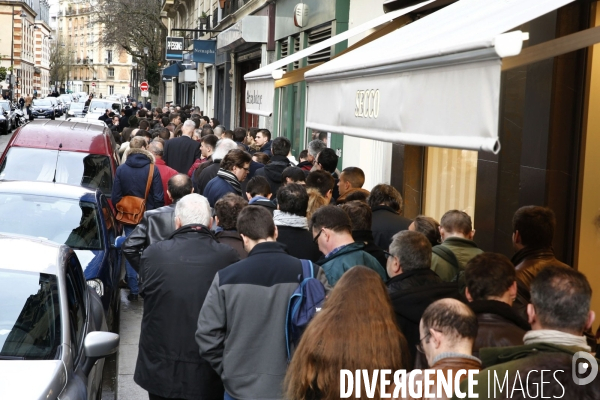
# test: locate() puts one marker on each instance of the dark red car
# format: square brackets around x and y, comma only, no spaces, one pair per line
[73,153]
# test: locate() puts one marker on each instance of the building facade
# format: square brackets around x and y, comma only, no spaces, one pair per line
[91,67]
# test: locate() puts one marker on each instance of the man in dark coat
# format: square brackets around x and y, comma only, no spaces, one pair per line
[227,210]
[177,275]
[131,180]
[208,170]
[180,153]
[279,161]
[386,203]
[491,290]
[157,224]
[361,216]
[413,286]
[263,139]
[292,226]
[327,160]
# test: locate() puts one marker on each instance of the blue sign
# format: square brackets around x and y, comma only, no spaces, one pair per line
[205,51]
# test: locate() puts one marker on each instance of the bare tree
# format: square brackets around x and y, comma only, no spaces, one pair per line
[133,26]
[58,62]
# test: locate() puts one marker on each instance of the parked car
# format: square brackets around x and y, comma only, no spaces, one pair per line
[67,99]
[76,110]
[77,217]
[43,108]
[7,110]
[53,333]
[75,153]
[99,106]
[57,107]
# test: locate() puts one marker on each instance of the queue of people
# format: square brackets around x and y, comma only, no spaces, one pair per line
[217,266]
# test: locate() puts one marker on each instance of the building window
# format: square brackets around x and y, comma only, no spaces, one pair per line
[111,90]
[111,72]
[109,56]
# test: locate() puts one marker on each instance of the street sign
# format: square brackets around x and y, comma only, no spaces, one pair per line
[144,93]
[144,86]
[174,48]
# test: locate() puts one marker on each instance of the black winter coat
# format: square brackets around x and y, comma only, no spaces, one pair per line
[299,243]
[411,293]
[366,237]
[206,176]
[273,170]
[386,223]
[180,153]
[177,275]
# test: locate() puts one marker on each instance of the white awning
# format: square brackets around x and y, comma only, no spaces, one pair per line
[260,87]
[435,82]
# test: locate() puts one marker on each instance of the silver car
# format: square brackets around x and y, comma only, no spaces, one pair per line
[53,335]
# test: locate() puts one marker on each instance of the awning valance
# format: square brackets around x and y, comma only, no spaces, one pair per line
[435,82]
[173,70]
[260,88]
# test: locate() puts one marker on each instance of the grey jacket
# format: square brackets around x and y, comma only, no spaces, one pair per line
[241,324]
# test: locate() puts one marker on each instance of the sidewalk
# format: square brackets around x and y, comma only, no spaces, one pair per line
[129,329]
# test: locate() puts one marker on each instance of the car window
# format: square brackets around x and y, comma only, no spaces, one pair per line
[102,105]
[29,315]
[5,106]
[109,220]
[45,103]
[67,221]
[73,168]
[76,303]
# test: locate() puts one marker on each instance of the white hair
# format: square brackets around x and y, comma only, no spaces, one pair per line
[193,209]
[189,125]
[223,147]
[218,130]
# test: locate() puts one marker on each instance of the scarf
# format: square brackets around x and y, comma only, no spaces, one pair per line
[230,178]
[556,337]
[287,219]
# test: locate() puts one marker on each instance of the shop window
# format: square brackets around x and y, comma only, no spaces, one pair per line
[315,36]
[450,181]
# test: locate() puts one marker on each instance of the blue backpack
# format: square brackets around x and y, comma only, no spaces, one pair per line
[303,305]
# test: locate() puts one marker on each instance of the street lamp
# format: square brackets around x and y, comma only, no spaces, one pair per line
[145,63]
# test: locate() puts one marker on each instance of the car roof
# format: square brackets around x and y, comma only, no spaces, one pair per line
[48,189]
[68,135]
[29,254]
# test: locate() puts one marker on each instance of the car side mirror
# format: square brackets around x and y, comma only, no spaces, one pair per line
[98,345]
[119,241]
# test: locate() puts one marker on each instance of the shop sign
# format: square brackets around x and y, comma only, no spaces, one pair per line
[367,103]
[174,48]
[259,97]
[204,51]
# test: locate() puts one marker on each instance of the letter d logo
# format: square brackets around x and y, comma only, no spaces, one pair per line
[581,364]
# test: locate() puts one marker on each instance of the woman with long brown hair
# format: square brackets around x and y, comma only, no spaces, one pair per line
[355,329]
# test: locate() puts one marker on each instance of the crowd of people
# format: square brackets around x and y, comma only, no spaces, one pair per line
[229,216]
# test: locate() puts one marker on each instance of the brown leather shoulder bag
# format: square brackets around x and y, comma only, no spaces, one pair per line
[130,209]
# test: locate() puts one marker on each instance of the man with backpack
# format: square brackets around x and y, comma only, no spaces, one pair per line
[241,327]
[457,248]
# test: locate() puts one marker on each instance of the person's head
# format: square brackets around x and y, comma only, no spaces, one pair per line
[157,149]
[314,148]
[360,215]
[281,146]
[228,134]
[188,128]
[207,145]
[560,301]
[115,120]
[239,134]
[351,178]
[293,199]
[262,137]
[192,209]
[447,326]
[258,186]
[409,251]
[237,162]
[357,195]
[144,125]
[223,147]
[293,175]
[428,227]
[218,130]
[196,120]
[206,119]
[178,186]
[207,130]
[164,134]
[327,160]
[214,122]
[354,330]
[255,225]
[315,202]
[251,136]
[533,227]
[491,276]
[164,121]
[141,113]
[303,156]
[456,223]
[137,142]
[331,228]
[321,181]
[260,157]
[145,134]
[175,118]
[386,195]
[133,121]
[227,210]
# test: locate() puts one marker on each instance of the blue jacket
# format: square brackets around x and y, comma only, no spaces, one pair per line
[347,257]
[217,188]
[131,179]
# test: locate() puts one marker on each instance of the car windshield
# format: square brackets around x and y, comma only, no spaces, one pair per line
[67,221]
[29,316]
[76,106]
[5,106]
[53,101]
[43,102]
[73,168]
[100,105]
